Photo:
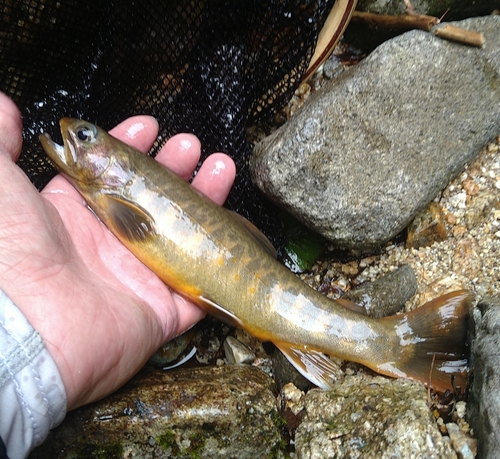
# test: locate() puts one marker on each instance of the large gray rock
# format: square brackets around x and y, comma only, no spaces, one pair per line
[372,148]
[209,412]
[370,418]
[484,401]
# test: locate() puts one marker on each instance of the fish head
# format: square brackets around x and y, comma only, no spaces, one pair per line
[84,157]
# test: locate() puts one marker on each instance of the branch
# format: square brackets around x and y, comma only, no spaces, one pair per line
[403,21]
[467,37]
[422,22]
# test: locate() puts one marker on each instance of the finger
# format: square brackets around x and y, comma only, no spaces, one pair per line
[59,187]
[181,154]
[10,127]
[138,131]
[187,315]
[216,177]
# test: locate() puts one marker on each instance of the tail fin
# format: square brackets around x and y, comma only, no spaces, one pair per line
[434,339]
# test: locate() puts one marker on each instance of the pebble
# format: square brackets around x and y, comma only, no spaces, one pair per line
[464,445]
[427,227]
[236,352]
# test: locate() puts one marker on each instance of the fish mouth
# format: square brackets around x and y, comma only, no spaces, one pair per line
[63,156]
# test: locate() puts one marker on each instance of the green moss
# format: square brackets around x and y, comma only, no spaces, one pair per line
[196,447]
[167,442]
[279,450]
[100,451]
[278,420]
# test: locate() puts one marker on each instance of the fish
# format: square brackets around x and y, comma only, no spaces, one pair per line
[221,262]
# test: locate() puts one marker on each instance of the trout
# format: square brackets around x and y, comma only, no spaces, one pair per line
[222,263]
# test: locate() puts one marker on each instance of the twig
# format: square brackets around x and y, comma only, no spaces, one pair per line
[422,22]
[430,379]
[467,37]
[403,21]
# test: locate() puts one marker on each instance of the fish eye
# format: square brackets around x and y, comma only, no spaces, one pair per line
[86,133]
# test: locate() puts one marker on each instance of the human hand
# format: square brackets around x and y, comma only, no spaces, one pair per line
[100,311]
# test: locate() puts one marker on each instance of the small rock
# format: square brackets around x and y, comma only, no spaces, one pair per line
[332,68]
[460,410]
[388,294]
[291,401]
[237,352]
[480,207]
[427,227]
[292,398]
[369,417]
[464,445]
[172,350]
[466,258]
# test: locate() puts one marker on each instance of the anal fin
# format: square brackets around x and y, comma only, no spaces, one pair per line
[313,365]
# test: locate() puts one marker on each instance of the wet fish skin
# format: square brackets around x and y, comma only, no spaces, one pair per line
[220,262]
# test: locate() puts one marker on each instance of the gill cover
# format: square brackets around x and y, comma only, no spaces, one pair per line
[82,156]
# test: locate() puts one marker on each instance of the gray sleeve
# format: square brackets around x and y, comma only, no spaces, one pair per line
[32,394]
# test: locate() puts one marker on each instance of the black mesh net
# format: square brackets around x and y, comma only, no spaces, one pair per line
[209,67]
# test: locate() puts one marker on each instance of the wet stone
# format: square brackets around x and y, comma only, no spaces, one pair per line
[172,350]
[209,412]
[367,418]
[386,295]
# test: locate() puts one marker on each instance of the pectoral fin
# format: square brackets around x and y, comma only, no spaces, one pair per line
[312,364]
[130,221]
[219,312]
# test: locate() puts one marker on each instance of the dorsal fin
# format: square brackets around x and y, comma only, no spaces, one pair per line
[256,233]
[130,221]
